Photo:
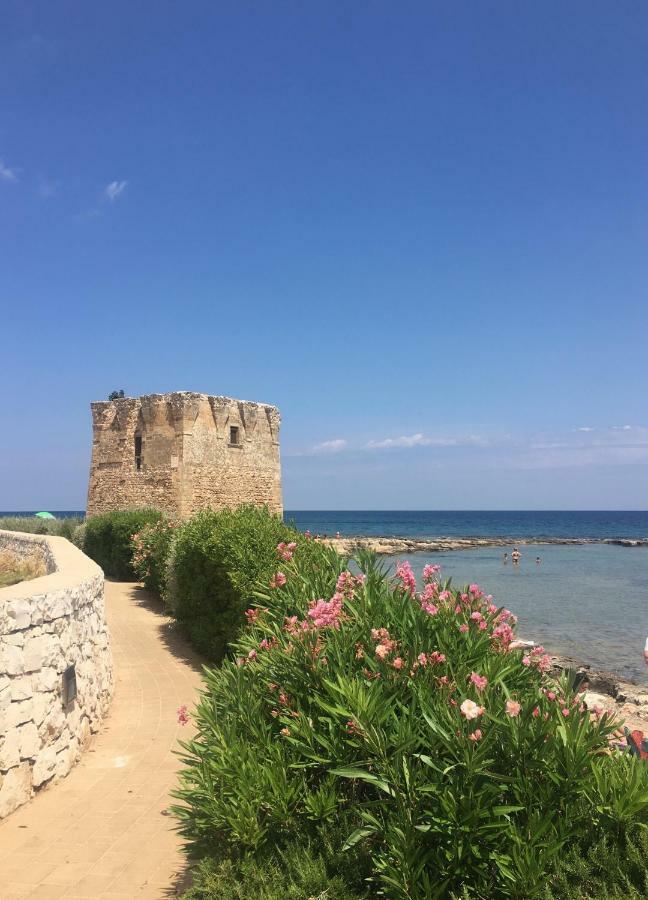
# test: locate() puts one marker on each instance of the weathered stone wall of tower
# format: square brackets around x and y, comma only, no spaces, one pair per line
[188,459]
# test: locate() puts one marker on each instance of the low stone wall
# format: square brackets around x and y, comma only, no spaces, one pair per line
[48,625]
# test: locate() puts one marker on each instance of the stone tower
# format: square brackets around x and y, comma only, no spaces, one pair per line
[181,452]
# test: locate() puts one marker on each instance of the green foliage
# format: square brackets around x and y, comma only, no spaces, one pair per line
[612,868]
[108,539]
[218,557]
[115,395]
[297,872]
[151,549]
[354,711]
[33,525]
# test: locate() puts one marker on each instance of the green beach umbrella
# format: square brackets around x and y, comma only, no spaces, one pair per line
[45,515]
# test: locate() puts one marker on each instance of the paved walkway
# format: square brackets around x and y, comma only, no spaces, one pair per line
[103,832]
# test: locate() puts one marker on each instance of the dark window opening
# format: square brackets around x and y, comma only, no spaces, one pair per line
[234,434]
[138,452]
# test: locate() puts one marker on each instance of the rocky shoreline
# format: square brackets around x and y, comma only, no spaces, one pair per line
[389,546]
[625,699]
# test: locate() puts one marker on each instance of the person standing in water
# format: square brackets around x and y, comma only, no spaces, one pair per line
[537,560]
[646,652]
[515,556]
[505,559]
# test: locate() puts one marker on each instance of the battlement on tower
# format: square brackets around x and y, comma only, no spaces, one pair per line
[183,451]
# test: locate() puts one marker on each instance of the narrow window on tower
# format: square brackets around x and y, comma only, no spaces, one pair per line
[234,435]
[138,451]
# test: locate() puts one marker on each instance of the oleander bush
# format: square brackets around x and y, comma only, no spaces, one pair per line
[108,539]
[151,551]
[217,559]
[452,762]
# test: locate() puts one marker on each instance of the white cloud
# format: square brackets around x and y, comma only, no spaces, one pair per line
[585,428]
[7,174]
[115,189]
[333,446]
[622,427]
[411,440]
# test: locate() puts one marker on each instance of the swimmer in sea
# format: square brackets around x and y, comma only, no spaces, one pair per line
[515,556]
[537,560]
[505,559]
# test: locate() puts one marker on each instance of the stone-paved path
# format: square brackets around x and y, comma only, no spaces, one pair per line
[103,831]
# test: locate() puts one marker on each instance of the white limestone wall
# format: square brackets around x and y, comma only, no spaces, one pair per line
[46,625]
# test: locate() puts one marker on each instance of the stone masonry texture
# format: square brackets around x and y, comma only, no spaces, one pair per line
[47,625]
[182,452]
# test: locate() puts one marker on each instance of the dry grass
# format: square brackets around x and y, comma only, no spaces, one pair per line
[13,569]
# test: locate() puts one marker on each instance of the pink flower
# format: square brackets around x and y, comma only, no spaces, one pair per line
[445,595]
[422,658]
[183,715]
[483,625]
[463,628]
[252,654]
[526,661]
[429,608]
[475,735]
[382,651]
[251,615]
[277,580]
[430,571]
[565,711]
[326,614]
[513,708]
[536,712]
[285,551]
[470,710]
[476,616]
[398,663]
[285,731]
[480,681]
[551,695]
[457,609]
[346,584]
[474,589]
[406,576]
[436,657]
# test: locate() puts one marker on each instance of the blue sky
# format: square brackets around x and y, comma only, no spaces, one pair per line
[420,229]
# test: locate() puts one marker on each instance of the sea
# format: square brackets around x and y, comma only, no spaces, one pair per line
[587,601]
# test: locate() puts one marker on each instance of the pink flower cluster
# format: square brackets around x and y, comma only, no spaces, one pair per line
[406,577]
[429,572]
[326,613]
[277,580]
[385,644]
[285,551]
[480,681]
[183,715]
[430,659]
[470,710]
[347,584]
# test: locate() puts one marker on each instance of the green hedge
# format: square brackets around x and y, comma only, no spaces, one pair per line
[217,560]
[34,525]
[108,539]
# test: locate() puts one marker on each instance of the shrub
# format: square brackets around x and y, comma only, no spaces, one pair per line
[454,761]
[218,557]
[34,525]
[108,539]
[295,873]
[151,547]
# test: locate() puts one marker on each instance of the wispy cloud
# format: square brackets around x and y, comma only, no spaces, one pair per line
[585,428]
[411,440]
[334,446]
[115,189]
[7,174]
[622,428]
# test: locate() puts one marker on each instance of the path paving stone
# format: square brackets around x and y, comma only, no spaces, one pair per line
[101,833]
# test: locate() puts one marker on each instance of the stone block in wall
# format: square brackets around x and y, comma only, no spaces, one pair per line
[11,659]
[21,688]
[29,740]
[18,614]
[9,749]
[47,679]
[15,788]
[43,704]
[44,766]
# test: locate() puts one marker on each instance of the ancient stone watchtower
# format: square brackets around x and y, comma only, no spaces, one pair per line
[183,451]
